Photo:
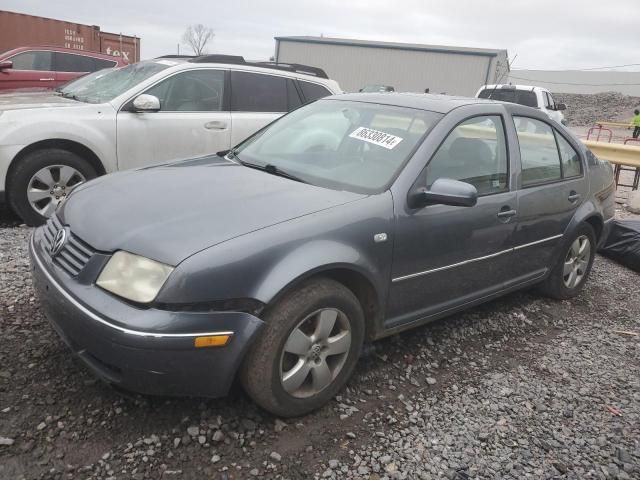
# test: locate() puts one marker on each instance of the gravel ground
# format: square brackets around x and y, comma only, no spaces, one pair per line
[585,110]
[522,387]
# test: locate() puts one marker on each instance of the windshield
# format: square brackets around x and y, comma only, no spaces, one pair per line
[511,95]
[105,85]
[354,146]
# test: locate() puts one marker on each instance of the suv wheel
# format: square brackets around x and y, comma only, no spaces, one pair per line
[308,349]
[42,180]
[574,264]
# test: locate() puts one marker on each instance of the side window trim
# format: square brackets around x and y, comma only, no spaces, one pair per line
[508,187]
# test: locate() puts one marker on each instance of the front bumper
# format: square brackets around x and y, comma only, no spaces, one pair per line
[143,350]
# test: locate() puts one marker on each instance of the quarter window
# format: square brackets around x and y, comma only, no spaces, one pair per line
[313,91]
[192,91]
[538,151]
[255,92]
[571,166]
[474,152]
[40,61]
[100,63]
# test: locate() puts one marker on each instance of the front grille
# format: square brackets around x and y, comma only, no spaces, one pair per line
[75,253]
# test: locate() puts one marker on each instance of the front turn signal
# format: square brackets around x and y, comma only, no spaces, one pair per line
[211,341]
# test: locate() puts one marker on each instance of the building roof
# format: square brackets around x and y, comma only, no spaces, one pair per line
[422,101]
[393,45]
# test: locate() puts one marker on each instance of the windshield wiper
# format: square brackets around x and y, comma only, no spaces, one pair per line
[69,95]
[269,168]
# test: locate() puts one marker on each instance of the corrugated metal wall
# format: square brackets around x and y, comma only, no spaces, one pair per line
[574,81]
[406,70]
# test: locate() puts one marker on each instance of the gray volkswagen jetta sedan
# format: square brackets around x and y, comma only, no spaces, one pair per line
[345,221]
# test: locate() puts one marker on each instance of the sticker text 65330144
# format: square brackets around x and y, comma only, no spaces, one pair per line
[376,137]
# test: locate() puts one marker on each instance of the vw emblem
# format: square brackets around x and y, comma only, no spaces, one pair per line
[58,241]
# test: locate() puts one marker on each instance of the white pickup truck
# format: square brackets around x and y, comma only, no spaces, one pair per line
[536,97]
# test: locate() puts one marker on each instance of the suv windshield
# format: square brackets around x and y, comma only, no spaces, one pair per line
[105,85]
[344,145]
[511,95]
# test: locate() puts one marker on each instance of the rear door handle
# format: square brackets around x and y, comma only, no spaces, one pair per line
[215,125]
[506,213]
[573,196]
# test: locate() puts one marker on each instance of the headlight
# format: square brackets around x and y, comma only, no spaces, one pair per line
[133,277]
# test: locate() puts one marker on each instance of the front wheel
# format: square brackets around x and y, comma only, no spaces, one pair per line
[307,350]
[42,180]
[574,265]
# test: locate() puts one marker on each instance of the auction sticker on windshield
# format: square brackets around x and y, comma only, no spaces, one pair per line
[376,137]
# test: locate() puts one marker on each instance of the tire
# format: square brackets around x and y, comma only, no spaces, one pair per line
[58,163]
[267,366]
[558,285]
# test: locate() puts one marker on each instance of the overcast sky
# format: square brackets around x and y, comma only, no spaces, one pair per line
[545,34]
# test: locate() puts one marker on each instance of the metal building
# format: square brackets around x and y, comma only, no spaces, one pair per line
[405,66]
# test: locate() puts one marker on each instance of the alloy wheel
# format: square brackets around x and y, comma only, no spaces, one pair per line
[576,262]
[315,352]
[50,186]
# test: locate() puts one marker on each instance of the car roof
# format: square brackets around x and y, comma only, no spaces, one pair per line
[185,62]
[422,101]
[54,48]
[513,87]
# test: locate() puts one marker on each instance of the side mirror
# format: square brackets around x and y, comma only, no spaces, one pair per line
[6,65]
[561,106]
[445,191]
[146,103]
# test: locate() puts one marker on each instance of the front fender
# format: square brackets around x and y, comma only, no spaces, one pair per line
[92,126]
[261,264]
[311,259]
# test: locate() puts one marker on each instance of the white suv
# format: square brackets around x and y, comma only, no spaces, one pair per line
[154,111]
[536,97]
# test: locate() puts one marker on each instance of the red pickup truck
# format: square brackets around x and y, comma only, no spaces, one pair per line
[49,67]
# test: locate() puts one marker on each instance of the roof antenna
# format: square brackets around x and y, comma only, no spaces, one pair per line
[508,69]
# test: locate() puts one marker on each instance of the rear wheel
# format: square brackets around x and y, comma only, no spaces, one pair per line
[308,349]
[42,180]
[574,265]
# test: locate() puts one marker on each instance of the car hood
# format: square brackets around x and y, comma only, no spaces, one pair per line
[169,212]
[24,100]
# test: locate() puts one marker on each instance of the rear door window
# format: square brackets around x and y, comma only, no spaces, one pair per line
[68,62]
[313,91]
[538,152]
[40,61]
[571,164]
[293,97]
[256,92]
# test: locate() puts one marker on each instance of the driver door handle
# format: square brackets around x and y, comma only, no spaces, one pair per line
[215,125]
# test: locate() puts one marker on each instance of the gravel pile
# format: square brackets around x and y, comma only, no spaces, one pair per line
[523,387]
[584,110]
